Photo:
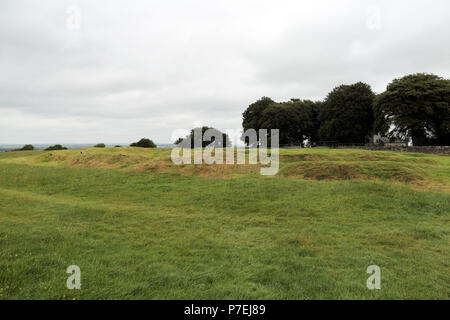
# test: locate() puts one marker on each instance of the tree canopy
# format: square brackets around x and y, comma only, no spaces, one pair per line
[347,114]
[416,106]
[144,143]
[27,147]
[253,114]
[56,147]
[296,119]
[197,137]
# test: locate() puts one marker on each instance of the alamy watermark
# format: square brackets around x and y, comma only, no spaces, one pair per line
[263,148]
[73,20]
[74,281]
[374,281]
[373,21]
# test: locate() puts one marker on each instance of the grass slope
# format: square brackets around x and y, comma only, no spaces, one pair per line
[140,227]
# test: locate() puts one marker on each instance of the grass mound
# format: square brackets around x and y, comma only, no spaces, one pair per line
[417,170]
[331,170]
[96,160]
[136,160]
[140,227]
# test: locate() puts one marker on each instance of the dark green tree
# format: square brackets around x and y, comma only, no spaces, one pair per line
[296,121]
[346,115]
[100,145]
[280,116]
[196,138]
[306,114]
[251,118]
[56,147]
[26,147]
[415,107]
[313,108]
[178,141]
[144,143]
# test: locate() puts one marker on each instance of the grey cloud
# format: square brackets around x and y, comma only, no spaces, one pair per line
[146,68]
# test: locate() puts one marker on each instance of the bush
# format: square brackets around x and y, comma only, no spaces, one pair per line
[196,138]
[118,146]
[56,147]
[26,147]
[144,143]
[179,140]
[99,145]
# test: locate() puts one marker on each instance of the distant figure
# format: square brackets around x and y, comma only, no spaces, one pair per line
[81,152]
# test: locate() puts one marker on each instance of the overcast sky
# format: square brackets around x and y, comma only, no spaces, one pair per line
[116,71]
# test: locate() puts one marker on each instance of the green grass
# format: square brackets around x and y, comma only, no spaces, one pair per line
[140,227]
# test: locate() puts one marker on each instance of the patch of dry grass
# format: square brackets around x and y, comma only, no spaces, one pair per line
[330,170]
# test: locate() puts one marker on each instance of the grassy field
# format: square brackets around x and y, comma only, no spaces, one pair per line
[140,227]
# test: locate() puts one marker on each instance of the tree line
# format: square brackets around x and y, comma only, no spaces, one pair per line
[413,108]
[142,143]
